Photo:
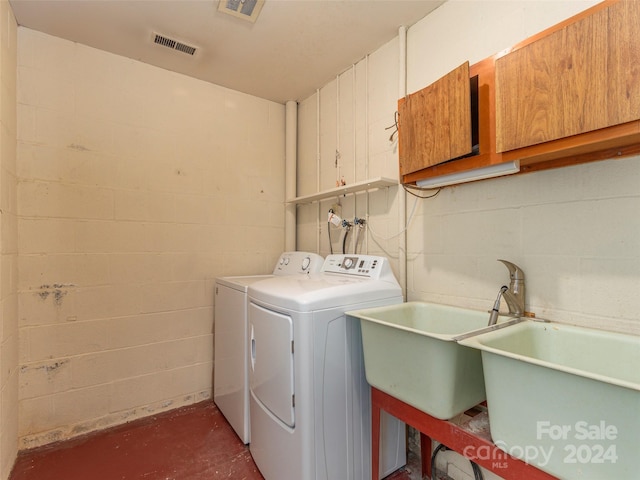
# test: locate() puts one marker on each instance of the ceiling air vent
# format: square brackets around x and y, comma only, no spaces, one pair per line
[173,44]
[245,9]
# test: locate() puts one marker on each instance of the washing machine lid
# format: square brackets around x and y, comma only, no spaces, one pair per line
[321,291]
[241,283]
[343,280]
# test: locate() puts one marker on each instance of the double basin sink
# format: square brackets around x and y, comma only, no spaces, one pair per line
[563,398]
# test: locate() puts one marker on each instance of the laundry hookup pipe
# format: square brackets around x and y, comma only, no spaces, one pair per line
[402,195]
[290,155]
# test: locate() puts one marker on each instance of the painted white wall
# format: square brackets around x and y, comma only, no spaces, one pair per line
[137,187]
[8,244]
[350,115]
[574,231]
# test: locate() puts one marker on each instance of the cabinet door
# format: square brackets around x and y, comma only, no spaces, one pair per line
[554,87]
[435,122]
[624,62]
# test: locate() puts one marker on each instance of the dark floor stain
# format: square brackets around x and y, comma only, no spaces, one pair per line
[189,443]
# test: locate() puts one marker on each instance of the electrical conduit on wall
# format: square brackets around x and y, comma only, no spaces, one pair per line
[291,146]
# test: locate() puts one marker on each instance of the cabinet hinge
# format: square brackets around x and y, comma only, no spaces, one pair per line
[293,400]
[292,347]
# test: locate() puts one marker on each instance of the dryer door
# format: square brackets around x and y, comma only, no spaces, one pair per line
[271,357]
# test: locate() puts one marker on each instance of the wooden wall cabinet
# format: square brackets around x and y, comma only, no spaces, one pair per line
[568,95]
[479,146]
[572,93]
[554,87]
[435,122]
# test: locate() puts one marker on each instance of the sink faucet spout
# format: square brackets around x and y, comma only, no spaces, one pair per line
[493,318]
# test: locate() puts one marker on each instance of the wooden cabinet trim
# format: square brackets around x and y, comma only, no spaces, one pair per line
[612,142]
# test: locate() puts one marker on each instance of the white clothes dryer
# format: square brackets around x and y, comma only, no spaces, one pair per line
[230,381]
[309,399]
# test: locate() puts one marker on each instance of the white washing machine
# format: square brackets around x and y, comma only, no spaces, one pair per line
[230,381]
[309,399]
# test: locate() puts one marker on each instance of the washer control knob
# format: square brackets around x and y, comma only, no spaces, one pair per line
[281,260]
[306,261]
[348,263]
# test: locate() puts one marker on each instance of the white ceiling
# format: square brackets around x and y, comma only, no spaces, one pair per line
[294,47]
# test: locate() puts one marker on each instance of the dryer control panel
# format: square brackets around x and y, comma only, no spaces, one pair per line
[369,266]
[291,263]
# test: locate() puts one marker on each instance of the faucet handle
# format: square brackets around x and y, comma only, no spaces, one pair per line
[515,272]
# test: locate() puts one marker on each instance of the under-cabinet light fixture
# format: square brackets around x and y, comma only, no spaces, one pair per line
[482,173]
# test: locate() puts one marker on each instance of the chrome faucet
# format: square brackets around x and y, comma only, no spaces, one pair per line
[513,294]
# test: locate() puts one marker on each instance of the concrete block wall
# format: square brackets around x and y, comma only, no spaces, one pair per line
[137,187]
[573,231]
[8,244]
